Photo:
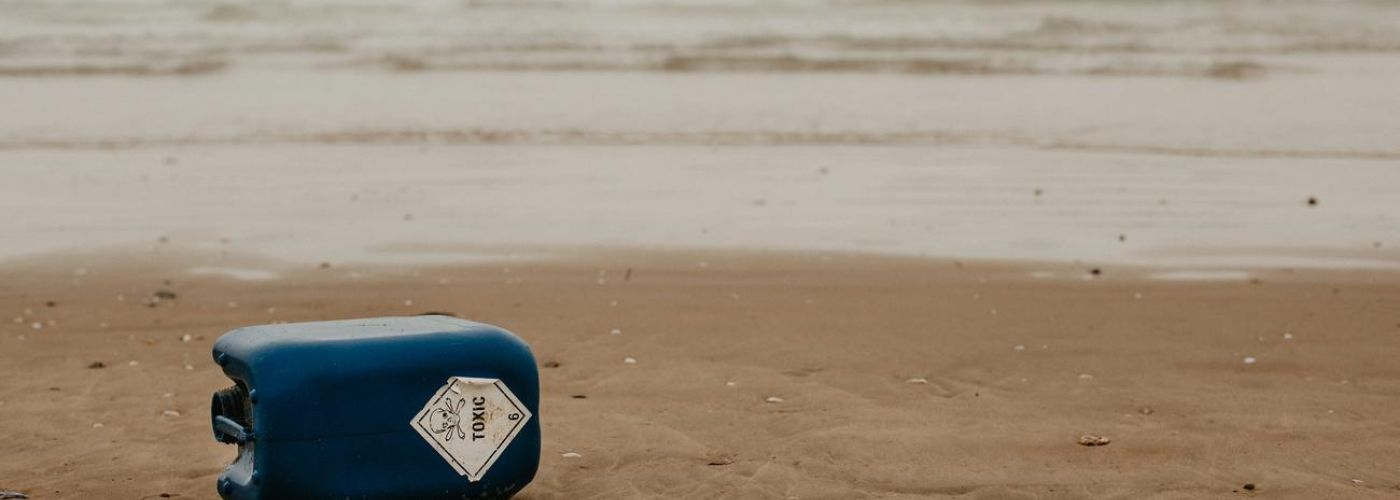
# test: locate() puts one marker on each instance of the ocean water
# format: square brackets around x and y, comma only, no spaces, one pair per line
[1197,129]
[1193,38]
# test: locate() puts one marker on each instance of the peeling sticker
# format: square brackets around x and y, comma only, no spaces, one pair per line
[470,422]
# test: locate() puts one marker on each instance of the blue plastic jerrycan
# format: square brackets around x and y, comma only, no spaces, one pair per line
[414,407]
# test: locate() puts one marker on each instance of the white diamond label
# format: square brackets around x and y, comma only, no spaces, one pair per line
[470,422]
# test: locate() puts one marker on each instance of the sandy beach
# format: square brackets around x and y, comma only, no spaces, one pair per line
[819,375]
[793,250]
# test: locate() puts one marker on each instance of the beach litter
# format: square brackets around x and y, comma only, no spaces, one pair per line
[11,495]
[1093,440]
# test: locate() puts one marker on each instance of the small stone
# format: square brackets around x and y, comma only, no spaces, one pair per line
[579,396]
[1086,376]
[1312,201]
[1287,336]
[916,380]
[408,303]
[231,304]
[1093,440]
[774,399]
[1249,486]
[97,425]
[1249,360]
[132,363]
[36,325]
[731,384]
[1096,271]
[616,331]
[630,361]
[571,455]
[1145,410]
[189,368]
[170,413]
[1357,481]
[325,265]
[51,304]
[1019,348]
[96,365]
[186,338]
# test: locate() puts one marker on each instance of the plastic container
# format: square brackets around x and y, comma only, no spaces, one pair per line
[412,407]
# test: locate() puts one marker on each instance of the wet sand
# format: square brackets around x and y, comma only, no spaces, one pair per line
[897,378]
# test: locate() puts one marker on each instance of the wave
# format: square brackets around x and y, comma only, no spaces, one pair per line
[584,137]
[724,63]
[194,67]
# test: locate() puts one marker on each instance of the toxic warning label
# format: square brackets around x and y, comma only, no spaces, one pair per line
[470,422]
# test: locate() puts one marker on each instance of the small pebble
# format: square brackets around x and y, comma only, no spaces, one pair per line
[1085,376]
[97,365]
[1249,360]
[616,331]
[1020,348]
[36,325]
[97,425]
[189,368]
[132,363]
[918,380]
[1093,440]
[572,455]
[774,399]
[408,302]
[186,338]
[1249,486]
[630,361]
[1357,481]
[1287,336]
[731,384]
[170,413]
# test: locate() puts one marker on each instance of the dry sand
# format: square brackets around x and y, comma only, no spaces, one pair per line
[897,378]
